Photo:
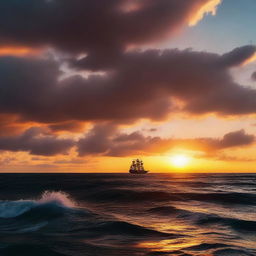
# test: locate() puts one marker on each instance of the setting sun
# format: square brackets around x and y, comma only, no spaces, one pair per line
[179,160]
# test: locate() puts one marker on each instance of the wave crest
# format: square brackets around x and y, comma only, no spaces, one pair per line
[59,197]
[12,209]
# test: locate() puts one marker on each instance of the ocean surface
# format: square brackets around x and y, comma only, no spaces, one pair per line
[123,214]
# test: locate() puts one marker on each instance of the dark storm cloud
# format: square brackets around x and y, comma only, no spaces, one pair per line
[71,126]
[97,140]
[144,85]
[99,28]
[237,138]
[200,79]
[234,58]
[105,140]
[253,76]
[27,86]
[238,55]
[36,142]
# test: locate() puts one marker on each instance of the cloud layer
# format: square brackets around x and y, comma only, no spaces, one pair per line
[108,140]
[36,142]
[96,27]
[105,140]
[102,38]
[144,84]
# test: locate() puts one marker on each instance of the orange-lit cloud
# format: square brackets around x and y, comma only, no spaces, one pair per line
[209,7]
[10,124]
[107,140]
[119,23]
[17,51]
[68,126]
[250,60]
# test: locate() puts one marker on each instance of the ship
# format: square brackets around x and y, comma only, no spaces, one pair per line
[137,167]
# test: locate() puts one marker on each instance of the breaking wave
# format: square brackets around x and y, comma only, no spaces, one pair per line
[49,200]
[25,216]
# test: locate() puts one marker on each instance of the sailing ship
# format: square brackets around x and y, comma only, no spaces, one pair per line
[137,167]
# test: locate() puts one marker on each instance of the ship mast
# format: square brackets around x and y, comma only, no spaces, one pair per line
[141,166]
[137,167]
[133,165]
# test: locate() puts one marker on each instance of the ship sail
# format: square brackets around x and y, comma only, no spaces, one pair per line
[137,167]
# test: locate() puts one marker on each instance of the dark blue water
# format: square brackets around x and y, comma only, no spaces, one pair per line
[122,214]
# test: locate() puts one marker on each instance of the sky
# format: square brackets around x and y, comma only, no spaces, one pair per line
[88,85]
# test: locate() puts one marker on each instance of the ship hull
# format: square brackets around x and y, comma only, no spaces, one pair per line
[138,172]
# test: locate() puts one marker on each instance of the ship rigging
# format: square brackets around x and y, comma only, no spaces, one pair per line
[137,167]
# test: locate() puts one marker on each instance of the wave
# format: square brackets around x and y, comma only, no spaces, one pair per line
[12,209]
[29,249]
[133,196]
[232,252]
[166,210]
[169,253]
[226,198]
[205,219]
[126,195]
[236,224]
[206,246]
[127,229]
[25,216]
[32,215]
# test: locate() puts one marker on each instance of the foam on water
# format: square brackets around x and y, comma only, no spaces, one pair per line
[12,209]
[59,197]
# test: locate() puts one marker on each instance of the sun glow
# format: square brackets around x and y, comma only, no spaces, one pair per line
[179,161]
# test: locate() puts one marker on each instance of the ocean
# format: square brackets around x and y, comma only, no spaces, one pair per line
[126,215]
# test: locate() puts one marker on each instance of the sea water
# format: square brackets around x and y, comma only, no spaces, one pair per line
[123,214]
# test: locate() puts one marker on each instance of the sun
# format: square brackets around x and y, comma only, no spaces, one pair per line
[179,161]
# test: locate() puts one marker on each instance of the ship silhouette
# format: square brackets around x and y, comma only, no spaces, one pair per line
[137,167]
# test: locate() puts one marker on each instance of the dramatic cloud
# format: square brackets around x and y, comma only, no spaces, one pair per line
[9,125]
[97,140]
[43,43]
[105,140]
[108,140]
[134,85]
[143,85]
[36,142]
[237,138]
[238,56]
[99,28]
[208,7]
[71,126]
[253,76]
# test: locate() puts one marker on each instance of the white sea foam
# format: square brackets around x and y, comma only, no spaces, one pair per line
[58,197]
[12,209]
